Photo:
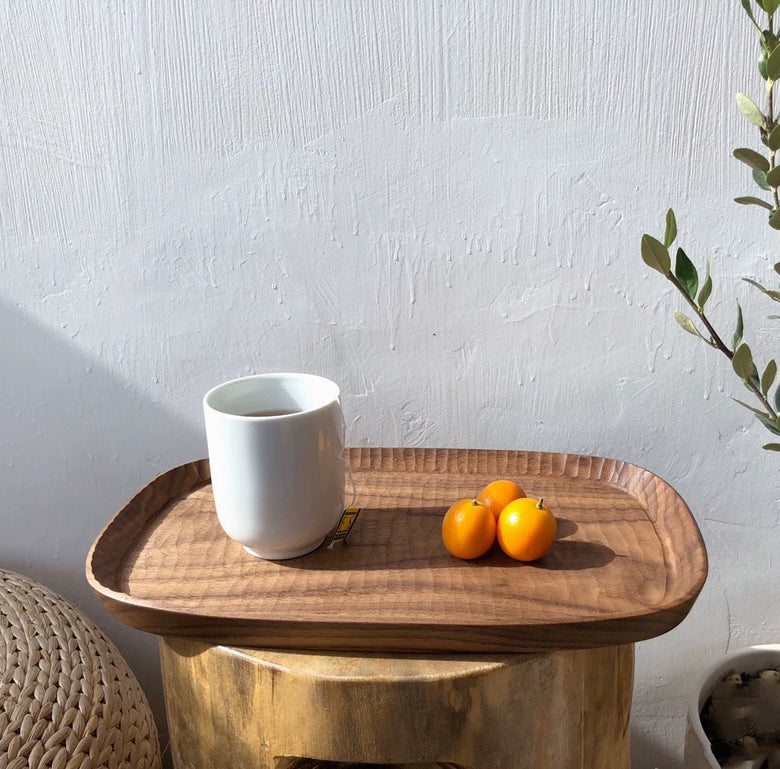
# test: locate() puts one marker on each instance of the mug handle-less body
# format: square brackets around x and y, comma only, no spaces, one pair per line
[278,481]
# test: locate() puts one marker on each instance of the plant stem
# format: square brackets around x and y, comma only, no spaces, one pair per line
[770,124]
[721,345]
[717,341]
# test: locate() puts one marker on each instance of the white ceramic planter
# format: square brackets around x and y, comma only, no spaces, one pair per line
[698,754]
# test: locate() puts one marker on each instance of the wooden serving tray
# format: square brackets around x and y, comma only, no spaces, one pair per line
[627,565]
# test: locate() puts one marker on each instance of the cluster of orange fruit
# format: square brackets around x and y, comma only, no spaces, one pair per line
[524,527]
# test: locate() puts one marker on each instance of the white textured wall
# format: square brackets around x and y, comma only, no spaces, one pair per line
[437,204]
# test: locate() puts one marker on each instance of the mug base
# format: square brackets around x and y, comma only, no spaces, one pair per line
[276,555]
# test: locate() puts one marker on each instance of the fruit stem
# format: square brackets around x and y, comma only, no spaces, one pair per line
[540,503]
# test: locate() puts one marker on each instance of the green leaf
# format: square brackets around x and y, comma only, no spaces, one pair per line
[773,65]
[737,338]
[759,177]
[770,6]
[768,377]
[773,177]
[656,255]
[774,220]
[777,267]
[772,446]
[749,109]
[748,9]
[762,64]
[777,399]
[751,201]
[768,423]
[686,273]
[686,324]
[773,140]
[752,158]
[773,294]
[671,227]
[749,407]
[706,289]
[743,361]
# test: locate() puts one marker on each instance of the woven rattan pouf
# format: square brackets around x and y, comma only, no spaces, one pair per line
[67,698]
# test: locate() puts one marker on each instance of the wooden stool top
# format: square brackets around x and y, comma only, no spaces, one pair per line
[372,667]
[628,563]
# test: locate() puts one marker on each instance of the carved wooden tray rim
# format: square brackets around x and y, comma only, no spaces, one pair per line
[685,571]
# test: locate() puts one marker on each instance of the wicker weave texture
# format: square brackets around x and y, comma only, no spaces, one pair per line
[67,698]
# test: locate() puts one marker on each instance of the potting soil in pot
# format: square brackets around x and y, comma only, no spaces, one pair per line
[742,720]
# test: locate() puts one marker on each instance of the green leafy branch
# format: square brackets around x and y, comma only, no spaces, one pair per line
[685,278]
[766,172]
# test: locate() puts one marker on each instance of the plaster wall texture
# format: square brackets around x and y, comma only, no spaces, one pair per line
[438,205]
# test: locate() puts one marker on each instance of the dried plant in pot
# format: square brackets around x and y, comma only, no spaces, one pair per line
[734,716]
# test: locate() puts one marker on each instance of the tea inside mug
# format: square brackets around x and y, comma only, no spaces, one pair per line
[272,395]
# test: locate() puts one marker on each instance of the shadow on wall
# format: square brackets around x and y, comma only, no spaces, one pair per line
[647,754]
[77,442]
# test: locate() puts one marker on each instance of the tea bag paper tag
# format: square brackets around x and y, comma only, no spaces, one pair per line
[346,523]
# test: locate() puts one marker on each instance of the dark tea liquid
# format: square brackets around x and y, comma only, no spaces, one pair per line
[273,413]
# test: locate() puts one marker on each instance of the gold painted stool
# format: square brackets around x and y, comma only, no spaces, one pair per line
[234,707]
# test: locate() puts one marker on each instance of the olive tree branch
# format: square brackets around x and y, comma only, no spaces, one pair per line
[719,344]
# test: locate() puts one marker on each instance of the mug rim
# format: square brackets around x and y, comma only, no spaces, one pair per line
[271,375]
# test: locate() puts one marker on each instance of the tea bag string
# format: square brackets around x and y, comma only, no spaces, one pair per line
[354,487]
[344,459]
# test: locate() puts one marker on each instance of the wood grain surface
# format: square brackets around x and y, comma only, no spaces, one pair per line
[627,565]
[236,707]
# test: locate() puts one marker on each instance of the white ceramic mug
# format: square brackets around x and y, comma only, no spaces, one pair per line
[278,480]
